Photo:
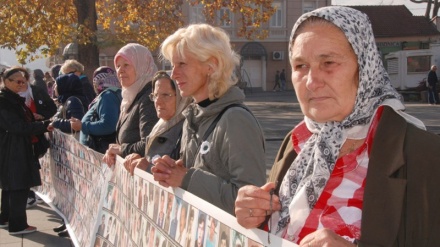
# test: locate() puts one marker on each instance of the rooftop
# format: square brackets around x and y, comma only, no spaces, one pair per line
[397,21]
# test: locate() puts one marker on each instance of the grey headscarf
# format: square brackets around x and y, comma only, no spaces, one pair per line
[163,126]
[314,164]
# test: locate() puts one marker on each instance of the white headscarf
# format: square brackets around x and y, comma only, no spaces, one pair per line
[27,95]
[163,126]
[142,60]
[311,170]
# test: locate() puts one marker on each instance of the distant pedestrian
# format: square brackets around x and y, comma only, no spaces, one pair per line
[39,80]
[432,86]
[283,80]
[277,81]
[49,83]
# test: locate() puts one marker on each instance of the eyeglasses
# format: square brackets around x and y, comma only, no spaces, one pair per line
[17,81]
[164,96]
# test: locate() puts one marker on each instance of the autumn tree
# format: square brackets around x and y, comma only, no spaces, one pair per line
[93,24]
[432,7]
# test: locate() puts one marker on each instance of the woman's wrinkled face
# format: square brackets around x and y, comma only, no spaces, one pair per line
[165,99]
[191,76]
[324,72]
[16,82]
[125,71]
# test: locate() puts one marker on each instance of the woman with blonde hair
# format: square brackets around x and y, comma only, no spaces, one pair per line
[222,142]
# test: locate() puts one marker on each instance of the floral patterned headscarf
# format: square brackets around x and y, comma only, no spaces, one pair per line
[142,60]
[311,170]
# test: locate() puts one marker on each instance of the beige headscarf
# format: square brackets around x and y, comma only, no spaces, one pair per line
[163,126]
[142,60]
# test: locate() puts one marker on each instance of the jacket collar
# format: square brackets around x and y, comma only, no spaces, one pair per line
[386,182]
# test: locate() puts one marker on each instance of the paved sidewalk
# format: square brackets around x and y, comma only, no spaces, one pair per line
[277,112]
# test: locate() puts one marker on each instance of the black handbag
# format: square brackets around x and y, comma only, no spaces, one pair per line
[100,143]
[41,146]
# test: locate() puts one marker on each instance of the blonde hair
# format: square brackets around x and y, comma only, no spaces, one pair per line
[72,66]
[204,42]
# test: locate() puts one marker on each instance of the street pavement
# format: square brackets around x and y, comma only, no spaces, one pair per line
[277,112]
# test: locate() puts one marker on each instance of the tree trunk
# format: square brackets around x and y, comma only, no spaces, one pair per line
[428,9]
[435,8]
[88,54]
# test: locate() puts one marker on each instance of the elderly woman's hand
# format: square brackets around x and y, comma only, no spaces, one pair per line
[130,162]
[168,172]
[75,124]
[253,204]
[110,155]
[325,237]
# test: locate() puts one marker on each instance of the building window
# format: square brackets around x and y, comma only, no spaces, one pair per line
[225,17]
[277,17]
[106,60]
[418,63]
[197,15]
[308,6]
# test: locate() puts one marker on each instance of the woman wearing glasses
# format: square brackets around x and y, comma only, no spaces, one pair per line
[166,134]
[19,168]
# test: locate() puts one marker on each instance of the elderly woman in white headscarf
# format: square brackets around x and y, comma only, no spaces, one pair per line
[357,170]
[135,68]
[164,139]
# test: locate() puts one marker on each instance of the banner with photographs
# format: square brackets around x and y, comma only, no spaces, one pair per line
[134,210]
[73,179]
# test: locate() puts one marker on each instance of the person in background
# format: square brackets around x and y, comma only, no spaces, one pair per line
[39,80]
[213,165]
[277,82]
[71,99]
[19,164]
[98,126]
[352,173]
[135,68]
[49,83]
[283,79]
[432,86]
[55,71]
[43,108]
[75,67]
[166,134]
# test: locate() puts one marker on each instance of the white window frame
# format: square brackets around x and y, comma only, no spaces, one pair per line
[308,6]
[224,23]
[197,15]
[276,20]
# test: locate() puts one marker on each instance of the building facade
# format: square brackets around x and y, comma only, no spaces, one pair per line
[260,58]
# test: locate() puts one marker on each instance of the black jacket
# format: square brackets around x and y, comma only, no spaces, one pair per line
[432,78]
[88,90]
[134,126]
[19,169]
[44,103]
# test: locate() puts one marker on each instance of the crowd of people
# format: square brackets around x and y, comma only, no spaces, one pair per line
[356,171]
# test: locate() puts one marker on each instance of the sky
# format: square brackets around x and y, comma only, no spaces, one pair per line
[8,58]
[415,8]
